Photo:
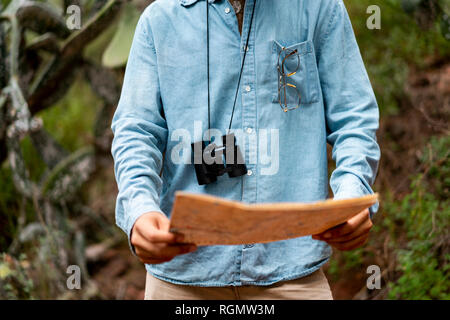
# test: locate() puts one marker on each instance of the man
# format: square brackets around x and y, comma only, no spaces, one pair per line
[304,46]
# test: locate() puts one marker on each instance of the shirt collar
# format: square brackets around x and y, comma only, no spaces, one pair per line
[189,2]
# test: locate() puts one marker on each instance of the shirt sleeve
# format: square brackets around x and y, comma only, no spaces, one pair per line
[351,109]
[140,133]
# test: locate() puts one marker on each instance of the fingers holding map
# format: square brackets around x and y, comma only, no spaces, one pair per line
[208,220]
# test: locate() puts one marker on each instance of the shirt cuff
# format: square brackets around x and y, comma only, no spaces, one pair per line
[351,186]
[134,213]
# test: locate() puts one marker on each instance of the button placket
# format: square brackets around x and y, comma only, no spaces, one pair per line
[229,15]
[248,97]
[248,114]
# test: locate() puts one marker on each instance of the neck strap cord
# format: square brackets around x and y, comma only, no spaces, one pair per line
[240,73]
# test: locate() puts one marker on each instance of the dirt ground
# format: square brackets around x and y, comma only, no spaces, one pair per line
[120,275]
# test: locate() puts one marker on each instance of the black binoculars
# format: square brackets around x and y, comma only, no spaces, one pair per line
[209,160]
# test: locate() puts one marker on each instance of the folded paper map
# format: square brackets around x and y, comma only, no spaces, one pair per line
[208,220]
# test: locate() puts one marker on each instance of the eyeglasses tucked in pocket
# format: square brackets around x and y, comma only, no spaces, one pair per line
[297,81]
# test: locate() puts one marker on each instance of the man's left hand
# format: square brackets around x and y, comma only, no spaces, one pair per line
[350,235]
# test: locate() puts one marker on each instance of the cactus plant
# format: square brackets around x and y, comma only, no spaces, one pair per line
[30,84]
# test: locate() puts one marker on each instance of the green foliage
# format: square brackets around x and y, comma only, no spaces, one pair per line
[70,123]
[416,225]
[420,219]
[400,41]
[410,5]
[116,55]
[418,229]
[436,159]
[9,203]
[54,136]
[71,119]
[60,182]
[4,3]
[14,280]
[423,218]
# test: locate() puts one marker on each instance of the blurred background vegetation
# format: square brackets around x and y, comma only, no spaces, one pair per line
[59,89]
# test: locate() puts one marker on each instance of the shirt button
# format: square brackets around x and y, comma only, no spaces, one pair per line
[249,130]
[249,172]
[246,48]
[227,10]
[248,88]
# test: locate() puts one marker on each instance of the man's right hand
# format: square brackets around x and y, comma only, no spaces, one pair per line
[154,243]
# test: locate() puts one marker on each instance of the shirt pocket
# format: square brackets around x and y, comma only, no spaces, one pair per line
[304,73]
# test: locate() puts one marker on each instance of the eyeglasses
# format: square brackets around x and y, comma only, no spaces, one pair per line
[288,92]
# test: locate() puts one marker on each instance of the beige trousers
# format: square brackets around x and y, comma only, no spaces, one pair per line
[312,287]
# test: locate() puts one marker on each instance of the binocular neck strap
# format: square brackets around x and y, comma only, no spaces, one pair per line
[240,73]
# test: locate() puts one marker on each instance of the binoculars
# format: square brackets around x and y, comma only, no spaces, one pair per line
[209,164]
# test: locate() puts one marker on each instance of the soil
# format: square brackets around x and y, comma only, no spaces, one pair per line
[120,275]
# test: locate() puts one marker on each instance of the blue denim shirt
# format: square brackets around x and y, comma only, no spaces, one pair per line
[164,100]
